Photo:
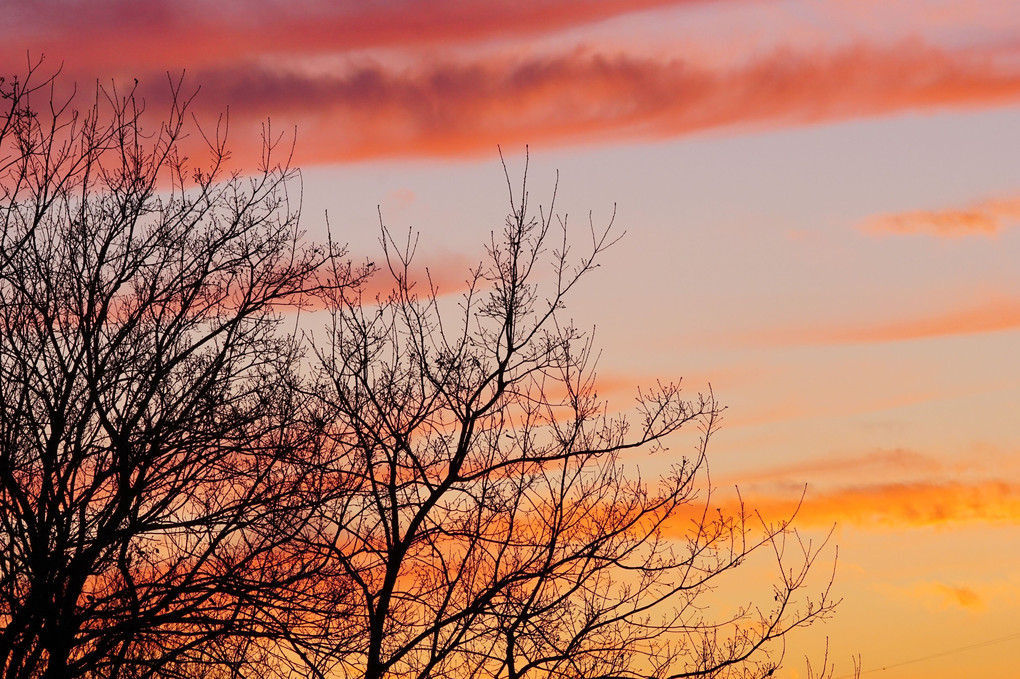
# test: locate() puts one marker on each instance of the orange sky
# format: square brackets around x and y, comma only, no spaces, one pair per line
[821,208]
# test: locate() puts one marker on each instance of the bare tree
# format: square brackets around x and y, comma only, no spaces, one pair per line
[188,489]
[150,438]
[488,524]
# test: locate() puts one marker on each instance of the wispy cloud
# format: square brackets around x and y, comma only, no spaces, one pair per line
[951,596]
[322,67]
[883,461]
[468,107]
[986,314]
[991,315]
[442,274]
[169,34]
[899,505]
[985,218]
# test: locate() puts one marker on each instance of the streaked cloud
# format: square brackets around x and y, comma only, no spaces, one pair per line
[455,107]
[895,460]
[986,314]
[448,106]
[164,34]
[898,505]
[404,79]
[985,218]
[989,315]
[870,508]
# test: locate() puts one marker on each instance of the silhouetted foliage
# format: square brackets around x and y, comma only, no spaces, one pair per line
[419,490]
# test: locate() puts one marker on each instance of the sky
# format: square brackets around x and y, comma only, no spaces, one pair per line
[821,202]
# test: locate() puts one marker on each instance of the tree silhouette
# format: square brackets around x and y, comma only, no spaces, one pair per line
[187,489]
[150,438]
[488,525]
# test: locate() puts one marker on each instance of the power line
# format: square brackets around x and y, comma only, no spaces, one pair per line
[960,649]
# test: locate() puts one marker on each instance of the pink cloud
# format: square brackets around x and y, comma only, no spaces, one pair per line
[897,460]
[988,314]
[455,108]
[254,62]
[985,218]
[992,315]
[160,34]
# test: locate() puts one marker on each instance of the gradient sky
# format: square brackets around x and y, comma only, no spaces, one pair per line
[822,207]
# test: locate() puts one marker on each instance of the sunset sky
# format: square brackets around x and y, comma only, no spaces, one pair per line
[821,201]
